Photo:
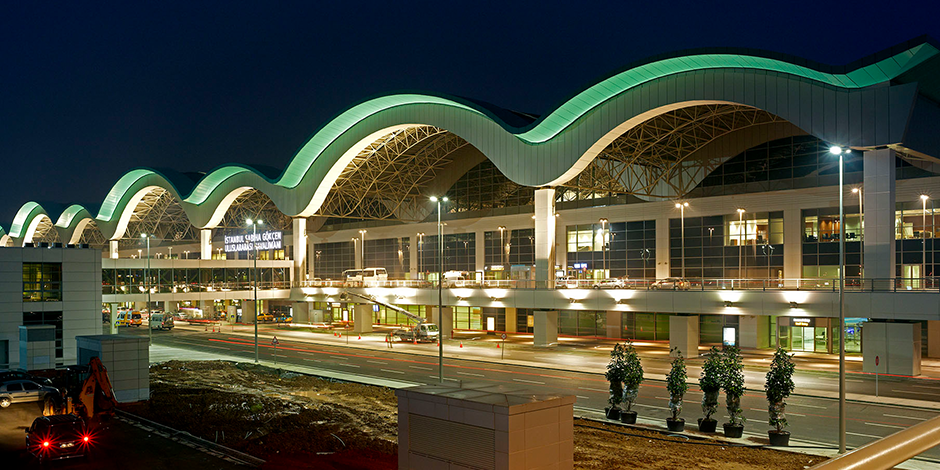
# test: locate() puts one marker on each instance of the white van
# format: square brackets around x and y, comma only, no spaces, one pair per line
[360,277]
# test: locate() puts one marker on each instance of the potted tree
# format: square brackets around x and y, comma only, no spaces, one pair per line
[710,383]
[733,385]
[616,372]
[778,387]
[632,377]
[677,386]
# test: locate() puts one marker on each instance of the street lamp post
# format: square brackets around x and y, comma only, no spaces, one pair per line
[316,262]
[440,288]
[149,288]
[420,253]
[254,245]
[835,150]
[681,207]
[923,231]
[502,246]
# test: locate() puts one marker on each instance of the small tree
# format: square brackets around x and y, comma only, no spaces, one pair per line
[616,372]
[676,384]
[733,383]
[710,382]
[778,387]
[633,375]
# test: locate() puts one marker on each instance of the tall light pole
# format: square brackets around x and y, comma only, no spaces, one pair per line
[149,288]
[420,252]
[362,247]
[604,244]
[861,233]
[681,207]
[742,235]
[835,150]
[502,246]
[254,245]
[440,288]
[316,261]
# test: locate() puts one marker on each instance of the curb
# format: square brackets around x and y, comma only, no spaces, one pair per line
[241,457]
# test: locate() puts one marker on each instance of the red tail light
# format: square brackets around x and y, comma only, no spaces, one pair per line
[45,444]
[86,439]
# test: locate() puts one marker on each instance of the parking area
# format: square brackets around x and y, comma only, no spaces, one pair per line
[122,445]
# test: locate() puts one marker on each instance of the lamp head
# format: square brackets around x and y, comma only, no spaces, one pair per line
[678,206]
[835,150]
[740,211]
[854,190]
[924,197]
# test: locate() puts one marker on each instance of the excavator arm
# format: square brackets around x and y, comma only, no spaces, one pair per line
[96,397]
[368,298]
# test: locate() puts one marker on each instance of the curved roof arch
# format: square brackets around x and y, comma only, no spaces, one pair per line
[859,107]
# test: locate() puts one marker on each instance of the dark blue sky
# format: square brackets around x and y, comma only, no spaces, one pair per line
[89,90]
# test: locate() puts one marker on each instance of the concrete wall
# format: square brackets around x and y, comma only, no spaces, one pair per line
[897,345]
[545,330]
[127,359]
[684,335]
[37,347]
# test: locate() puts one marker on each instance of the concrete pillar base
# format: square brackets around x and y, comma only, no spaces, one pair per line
[362,318]
[897,345]
[614,327]
[511,319]
[683,335]
[301,312]
[545,328]
[445,323]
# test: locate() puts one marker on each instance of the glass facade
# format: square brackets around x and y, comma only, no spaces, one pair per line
[459,253]
[820,243]
[614,249]
[518,248]
[393,254]
[712,248]
[331,259]
[162,281]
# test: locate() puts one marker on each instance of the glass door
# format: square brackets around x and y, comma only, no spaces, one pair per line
[821,343]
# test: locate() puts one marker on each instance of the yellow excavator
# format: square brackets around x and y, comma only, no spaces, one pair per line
[86,392]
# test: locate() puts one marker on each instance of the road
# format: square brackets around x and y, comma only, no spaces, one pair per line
[813,420]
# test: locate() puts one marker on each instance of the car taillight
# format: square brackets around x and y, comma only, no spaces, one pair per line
[45,444]
[86,439]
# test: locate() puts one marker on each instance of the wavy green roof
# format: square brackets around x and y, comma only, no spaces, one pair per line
[553,126]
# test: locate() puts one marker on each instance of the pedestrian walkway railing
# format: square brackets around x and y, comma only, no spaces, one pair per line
[888,452]
[928,284]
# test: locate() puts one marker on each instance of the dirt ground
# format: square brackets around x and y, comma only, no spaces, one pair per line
[295,421]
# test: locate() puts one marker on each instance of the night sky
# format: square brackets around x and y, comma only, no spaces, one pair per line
[90,90]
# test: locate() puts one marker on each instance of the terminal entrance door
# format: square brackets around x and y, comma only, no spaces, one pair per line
[804,334]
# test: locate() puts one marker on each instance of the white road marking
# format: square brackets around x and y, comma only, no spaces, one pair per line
[347,365]
[650,406]
[470,373]
[378,362]
[583,398]
[905,417]
[421,368]
[392,371]
[340,357]
[593,390]
[445,378]
[313,360]
[807,406]
[757,409]
[886,425]
[530,381]
[931,387]
[854,380]
[864,435]
[915,393]
[796,414]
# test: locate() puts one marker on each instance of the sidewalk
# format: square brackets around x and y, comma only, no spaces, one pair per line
[578,354]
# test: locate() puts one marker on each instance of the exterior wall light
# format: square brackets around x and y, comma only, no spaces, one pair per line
[573,300]
[729,303]
[794,304]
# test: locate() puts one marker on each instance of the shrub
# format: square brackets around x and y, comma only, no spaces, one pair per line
[778,387]
[633,375]
[733,383]
[710,382]
[676,384]
[616,372]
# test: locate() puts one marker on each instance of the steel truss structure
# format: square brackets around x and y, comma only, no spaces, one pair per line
[254,204]
[160,214]
[45,232]
[657,159]
[387,180]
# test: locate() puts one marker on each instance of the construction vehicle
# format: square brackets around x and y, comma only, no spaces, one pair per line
[86,392]
[422,331]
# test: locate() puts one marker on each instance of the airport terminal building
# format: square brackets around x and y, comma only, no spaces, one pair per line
[693,198]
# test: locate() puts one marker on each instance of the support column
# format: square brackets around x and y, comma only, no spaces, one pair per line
[480,250]
[662,244]
[512,319]
[683,334]
[208,308]
[897,345]
[750,333]
[114,313]
[357,248]
[362,318]
[792,246]
[933,338]
[248,311]
[545,239]
[300,312]
[545,329]
[113,248]
[205,243]
[879,195]
[300,250]
[614,324]
[171,306]
[446,322]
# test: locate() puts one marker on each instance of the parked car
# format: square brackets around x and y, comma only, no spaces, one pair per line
[265,317]
[129,319]
[8,375]
[24,391]
[670,283]
[612,283]
[283,319]
[566,282]
[161,321]
[58,437]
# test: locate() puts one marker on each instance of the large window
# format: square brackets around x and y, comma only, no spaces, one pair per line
[393,254]
[42,282]
[727,247]
[754,229]
[614,249]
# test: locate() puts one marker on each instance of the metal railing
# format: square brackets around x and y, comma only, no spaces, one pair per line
[128,289]
[890,451]
[929,284]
